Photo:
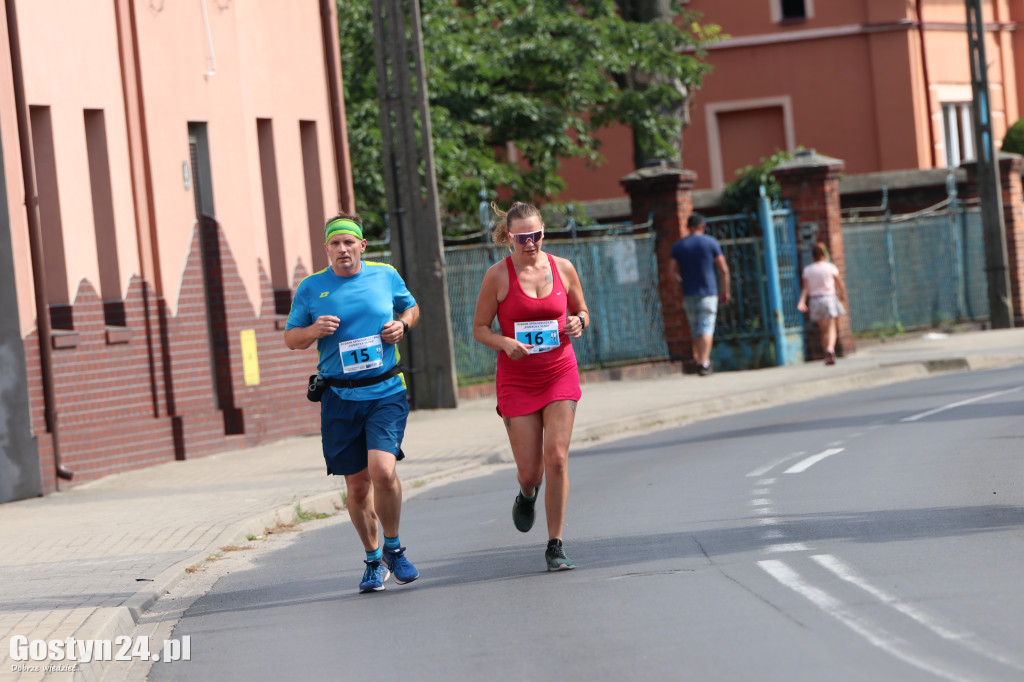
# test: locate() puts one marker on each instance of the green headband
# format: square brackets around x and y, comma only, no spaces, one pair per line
[343,226]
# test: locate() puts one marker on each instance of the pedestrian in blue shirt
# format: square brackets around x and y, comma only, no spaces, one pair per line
[695,258]
[349,311]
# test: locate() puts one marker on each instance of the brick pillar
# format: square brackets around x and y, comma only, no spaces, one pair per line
[665,193]
[810,183]
[1010,168]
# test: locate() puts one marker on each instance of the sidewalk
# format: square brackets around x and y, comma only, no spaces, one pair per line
[88,562]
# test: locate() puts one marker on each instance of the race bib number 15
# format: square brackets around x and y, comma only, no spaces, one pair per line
[541,334]
[360,354]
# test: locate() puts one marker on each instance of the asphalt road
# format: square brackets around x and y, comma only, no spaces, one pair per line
[871,536]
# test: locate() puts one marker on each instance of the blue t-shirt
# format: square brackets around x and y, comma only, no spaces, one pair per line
[364,303]
[696,255]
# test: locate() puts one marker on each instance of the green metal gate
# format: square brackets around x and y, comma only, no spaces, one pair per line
[754,330]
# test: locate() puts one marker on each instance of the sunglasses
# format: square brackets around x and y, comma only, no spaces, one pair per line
[527,237]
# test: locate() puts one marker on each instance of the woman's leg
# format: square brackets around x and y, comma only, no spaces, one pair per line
[559,417]
[526,436]
[827,327]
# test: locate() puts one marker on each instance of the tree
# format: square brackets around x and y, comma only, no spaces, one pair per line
[1014,140]
[516,87]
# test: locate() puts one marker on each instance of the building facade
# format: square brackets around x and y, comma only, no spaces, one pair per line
[167,169]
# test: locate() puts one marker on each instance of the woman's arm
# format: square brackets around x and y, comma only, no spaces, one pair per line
[579,315]
[487,309]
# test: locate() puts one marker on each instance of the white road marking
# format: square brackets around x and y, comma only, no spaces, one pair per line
[787,547]
[760,491]
[773,535]
[766,481]
[835,608]
[767,521]
[961,403]
[964,637]
[762,470]
[805,464]
[760,502]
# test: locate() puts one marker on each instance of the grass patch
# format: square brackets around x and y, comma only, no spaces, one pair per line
[280,527]
[304,516]
[235,548]
[250,537]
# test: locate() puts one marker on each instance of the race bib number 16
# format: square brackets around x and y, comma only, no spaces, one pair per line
[360,354]
[541,334]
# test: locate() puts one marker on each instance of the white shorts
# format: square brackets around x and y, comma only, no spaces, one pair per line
[824,307]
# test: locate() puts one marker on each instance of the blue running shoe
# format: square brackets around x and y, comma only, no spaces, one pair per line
[374,577]
[401,567]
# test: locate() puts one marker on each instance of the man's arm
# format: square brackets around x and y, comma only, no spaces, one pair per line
[299,338]
[723,270]
[394,330]
[673,268]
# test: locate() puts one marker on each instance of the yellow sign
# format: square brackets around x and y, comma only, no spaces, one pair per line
[250,358]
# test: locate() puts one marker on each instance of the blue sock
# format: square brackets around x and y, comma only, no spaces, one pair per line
[528,497]
[391,543]
[374,555]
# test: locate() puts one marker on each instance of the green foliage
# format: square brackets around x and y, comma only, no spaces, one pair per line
[742,194]
[1014,140]
[540,75]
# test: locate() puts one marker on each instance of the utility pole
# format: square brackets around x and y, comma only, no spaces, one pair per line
[416,244]
[989,188]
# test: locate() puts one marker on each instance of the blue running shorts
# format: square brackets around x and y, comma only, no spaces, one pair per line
[701,312]
[349,428]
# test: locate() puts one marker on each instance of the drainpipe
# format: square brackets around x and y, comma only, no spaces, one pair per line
[332,63]
[35,236]
[927,83]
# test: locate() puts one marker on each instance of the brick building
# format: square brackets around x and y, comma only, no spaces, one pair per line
[167,169]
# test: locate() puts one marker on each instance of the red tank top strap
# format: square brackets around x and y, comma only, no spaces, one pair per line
[513,278]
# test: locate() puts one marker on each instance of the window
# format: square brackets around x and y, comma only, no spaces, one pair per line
[103,217]
[314,192]
[791,10]
[50,225]
[958,133]
[272,210]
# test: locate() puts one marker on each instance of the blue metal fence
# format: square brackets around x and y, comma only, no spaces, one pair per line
[744,333]
[619,275]
[917,270]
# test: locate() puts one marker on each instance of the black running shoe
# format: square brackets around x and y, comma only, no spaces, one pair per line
[555,556]
[524,511]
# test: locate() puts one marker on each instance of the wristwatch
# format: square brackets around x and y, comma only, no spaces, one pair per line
[405,326]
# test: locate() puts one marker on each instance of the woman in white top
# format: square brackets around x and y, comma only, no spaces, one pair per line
[819,295]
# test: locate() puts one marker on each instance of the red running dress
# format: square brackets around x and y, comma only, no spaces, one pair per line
[525,386]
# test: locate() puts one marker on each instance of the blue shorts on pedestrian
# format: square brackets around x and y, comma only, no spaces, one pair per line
[701,312]
[349,428]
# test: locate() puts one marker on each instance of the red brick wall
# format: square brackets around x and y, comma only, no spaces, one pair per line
[810,183]
[666,193]
[134,397]
[1013,217]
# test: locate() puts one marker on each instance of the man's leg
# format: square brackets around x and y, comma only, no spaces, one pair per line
[387,490]
[702,349]
[359,501]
